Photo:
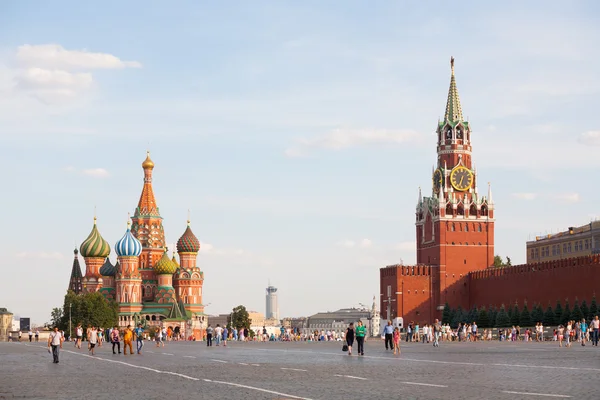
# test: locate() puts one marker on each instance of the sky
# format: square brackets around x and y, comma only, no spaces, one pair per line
[296,133]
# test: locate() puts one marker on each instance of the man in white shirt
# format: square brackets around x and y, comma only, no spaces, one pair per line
[55,340]
[93,338]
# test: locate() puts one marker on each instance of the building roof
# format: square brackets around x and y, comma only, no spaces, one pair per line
[4,311]
[344,314]
[188,242]
[572,231]
[147,205]
[95,245]
[128,245]
[76,270]
[453,113]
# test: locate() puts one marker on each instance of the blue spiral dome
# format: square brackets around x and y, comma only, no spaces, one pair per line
[128,245]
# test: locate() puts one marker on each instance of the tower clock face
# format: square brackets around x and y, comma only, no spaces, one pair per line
[461,178]
[437,180]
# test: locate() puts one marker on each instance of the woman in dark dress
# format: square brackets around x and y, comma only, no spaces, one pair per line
[350,337]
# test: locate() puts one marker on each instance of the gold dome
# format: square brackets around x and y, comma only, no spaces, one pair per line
[148,163]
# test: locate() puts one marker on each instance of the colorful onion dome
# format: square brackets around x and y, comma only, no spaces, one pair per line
[188,242]
[128,245]
[148,163]
[107,269]
[174,260]
[94,245]
[165,266]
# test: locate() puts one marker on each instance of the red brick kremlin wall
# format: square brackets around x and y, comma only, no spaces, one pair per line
[411,287]
[539,283]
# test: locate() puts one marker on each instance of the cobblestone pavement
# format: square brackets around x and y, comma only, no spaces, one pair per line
[190,370]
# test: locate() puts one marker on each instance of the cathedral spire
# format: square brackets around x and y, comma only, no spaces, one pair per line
[147,205]
[453,108]
[76,277]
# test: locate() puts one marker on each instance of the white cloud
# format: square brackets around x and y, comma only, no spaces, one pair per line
[344,138]
[54,75]
[364,243]
[525,196]
[591,138]
[40,255]
[347,243]
[93,172]
[96,172]
[406,246]
[54,56]
[569,197]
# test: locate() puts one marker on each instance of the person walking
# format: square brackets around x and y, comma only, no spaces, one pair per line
[79,336]
[209,333]
[37,335]
[218,334]
[30,336]
[388,332]
[55,340]
[396,336]
[115,339]
[139,338]
[595,329]
[361,331]
[225,333]
[350,337]
[128,340]
[93,340]
[437,330]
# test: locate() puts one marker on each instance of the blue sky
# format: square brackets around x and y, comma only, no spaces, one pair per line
[297,133]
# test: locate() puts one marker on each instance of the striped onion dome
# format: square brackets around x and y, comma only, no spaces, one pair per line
[128,245]
[94,245]
[165,266]
[107,269]
[188,242]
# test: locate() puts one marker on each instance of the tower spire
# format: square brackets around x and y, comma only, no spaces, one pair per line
[147,205]
[489,199]
[453,107]
[75,283]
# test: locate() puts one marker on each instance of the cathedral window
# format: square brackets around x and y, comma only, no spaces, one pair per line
[449,134]
[459,134]
[466,227]
[479,227]
[453,228]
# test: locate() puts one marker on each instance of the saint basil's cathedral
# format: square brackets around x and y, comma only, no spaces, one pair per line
[148,286]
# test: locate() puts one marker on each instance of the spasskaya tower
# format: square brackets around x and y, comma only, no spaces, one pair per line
[455,224]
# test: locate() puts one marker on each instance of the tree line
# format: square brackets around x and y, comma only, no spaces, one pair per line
[504,317]
[85,309]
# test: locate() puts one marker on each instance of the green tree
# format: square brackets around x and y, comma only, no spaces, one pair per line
[515,316]
[447,314]
[549,317]
[540,312]
[498,261]
[525,318]
[535,314]
[483,320]
[502,319]
[585,309]
[576,314]
[566,315]
[240,317]
[88,309]
[472,316]
[558,312]
[491,312]
[56,316]
[593,308]
[457,318]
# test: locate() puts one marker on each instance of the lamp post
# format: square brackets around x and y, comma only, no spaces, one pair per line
[70,337]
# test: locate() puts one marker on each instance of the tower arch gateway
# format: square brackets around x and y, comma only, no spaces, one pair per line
[462,219]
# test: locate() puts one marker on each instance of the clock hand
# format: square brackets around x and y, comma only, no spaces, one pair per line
[461,180]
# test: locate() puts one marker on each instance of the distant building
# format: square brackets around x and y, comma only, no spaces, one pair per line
[338,321]
[272,310]
[573,242]
[6,318]
[220,319]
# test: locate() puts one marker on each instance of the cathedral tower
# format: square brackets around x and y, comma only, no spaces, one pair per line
[165,268]
[75,283]
[188,277]
[148,229]
[455,225]
[94,250]
[128,280]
